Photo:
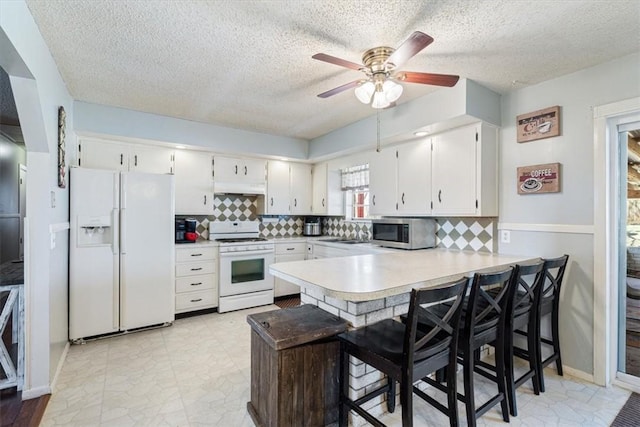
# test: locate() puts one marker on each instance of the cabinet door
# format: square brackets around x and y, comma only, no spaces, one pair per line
[104,155]
[383,182]
[151,159]
[253,170]
[277,202]
[414,178]
[319,185]
[300,189]
[282,287]
[227,169]
[454,172]
[194,183]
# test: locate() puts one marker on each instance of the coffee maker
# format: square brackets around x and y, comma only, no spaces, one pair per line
[312,226]
[186,230]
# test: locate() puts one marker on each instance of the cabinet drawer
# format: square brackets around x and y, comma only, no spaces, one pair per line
[194,268]
[195,300]
[195,283]
[291,248]
[195,254]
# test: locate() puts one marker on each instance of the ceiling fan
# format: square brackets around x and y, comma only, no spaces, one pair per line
[380,88]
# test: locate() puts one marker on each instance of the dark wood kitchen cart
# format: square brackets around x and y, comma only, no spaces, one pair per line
[294,367]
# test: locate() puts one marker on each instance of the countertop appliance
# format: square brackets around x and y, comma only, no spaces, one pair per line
[186,230]
[245,258]
[404,233]
[121,260]
[312,226]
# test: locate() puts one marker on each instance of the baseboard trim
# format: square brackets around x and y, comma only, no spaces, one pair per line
[32,393]
[63,358]
[578,374]
[627,382]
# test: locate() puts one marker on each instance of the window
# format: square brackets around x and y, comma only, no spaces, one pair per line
[355,184]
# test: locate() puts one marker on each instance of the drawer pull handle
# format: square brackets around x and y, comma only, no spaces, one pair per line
[196,254]
[196,300]
[196,269]
[291,249]
[196,284]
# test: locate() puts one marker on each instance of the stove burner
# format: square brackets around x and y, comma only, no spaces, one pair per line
[242,240]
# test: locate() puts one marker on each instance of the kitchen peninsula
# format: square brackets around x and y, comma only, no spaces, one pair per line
[365,289]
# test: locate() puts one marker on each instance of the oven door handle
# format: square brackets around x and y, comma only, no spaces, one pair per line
[246,253]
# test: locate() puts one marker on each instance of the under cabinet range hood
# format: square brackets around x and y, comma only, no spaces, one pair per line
[241,188]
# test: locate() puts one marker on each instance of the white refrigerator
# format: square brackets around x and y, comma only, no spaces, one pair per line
[121,260]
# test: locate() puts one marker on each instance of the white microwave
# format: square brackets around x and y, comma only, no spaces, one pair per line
[404,233]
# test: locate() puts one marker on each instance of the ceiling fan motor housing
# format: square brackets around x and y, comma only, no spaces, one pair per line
[376,59]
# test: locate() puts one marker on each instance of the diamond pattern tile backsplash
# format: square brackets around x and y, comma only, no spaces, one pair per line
[475,234]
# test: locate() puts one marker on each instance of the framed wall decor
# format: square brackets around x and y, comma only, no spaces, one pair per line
[539,124]
[538,179]
[61,134]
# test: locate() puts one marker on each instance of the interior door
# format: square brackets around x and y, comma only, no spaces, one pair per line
[23,205]
[147,259]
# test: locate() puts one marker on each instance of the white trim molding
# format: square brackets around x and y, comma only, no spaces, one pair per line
[547,228]
[32,393]
[605,250]
[577,373]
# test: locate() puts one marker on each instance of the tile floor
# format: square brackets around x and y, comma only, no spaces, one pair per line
[197,373]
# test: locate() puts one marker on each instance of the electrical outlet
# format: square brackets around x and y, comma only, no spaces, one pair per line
[505,236]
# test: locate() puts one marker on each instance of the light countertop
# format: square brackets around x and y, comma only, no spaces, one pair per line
[374,276]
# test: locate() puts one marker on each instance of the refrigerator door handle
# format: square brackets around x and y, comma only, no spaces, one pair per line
[121,295]
[123,231]
[115,231]
[116,293]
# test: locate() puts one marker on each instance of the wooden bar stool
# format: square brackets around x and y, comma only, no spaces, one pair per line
[407,354]
[550,304]
[553,274]
[524,299]
[484,322]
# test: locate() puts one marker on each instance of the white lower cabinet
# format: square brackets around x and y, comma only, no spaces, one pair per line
[285,252]
[196,277]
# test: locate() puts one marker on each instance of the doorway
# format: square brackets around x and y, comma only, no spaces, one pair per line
[629,249]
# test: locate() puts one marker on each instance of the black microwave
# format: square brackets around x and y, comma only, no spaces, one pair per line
[404,233]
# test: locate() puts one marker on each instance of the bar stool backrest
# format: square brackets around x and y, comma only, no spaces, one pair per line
[526,289]
[487,310]
[441,330]
[554,269]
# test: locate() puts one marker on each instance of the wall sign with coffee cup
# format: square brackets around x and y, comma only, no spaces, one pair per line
[538,179]
[539,124]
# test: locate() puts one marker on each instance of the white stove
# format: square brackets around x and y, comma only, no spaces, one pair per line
[244,264]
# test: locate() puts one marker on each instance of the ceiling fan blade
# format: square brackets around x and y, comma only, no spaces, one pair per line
[448,80]
[339,89]
[337,61]
[414,44]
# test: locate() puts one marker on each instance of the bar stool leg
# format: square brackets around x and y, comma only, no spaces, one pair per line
[470,404]
[556,339]
[391,395]
[406,401]
[511,386]
[500,375]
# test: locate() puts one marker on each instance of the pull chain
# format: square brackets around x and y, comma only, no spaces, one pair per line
[378,128]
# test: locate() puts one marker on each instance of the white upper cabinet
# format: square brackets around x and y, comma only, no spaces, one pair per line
[383,182]
[288,188]
[328,198]
[151,159]
[194,182]
[400,180]
[464,171]
[233,169]
[277,202]
[124,157]
[301,188]
[414,178]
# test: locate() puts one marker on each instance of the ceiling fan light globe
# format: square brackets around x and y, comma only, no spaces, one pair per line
[364,92]
[392,90]
[380,100]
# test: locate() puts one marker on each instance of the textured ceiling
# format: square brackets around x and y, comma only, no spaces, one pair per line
[247,64]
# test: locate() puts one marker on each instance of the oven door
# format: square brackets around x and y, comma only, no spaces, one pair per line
[244,272]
